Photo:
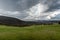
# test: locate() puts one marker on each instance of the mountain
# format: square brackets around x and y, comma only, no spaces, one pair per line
[4,20]
[43,22]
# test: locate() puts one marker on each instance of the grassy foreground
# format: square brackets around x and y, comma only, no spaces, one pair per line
[35,32]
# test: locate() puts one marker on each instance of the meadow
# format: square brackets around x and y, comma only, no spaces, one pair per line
[34,32]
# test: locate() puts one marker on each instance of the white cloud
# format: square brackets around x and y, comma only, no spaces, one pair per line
[32,12]
[9,13]
[37,13]
[53,14]
[15,14]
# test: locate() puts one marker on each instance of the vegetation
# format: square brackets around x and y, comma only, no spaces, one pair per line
[34,32]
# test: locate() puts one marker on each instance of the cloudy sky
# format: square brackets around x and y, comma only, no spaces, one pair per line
[31,9]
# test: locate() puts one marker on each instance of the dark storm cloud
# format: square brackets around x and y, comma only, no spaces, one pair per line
[8,4]
[53,5]
[26,4]
[23,8]
[17,4]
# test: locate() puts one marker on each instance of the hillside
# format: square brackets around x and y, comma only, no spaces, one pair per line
[4,20]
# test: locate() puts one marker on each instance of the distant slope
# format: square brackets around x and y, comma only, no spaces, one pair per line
[4,20]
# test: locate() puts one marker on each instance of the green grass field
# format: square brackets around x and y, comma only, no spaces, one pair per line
[34,32]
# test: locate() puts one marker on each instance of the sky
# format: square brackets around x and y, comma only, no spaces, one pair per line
[29,10]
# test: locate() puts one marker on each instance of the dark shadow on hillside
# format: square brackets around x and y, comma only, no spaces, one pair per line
[10,21]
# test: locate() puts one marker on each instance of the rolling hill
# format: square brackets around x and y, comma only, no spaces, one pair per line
[4,20]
